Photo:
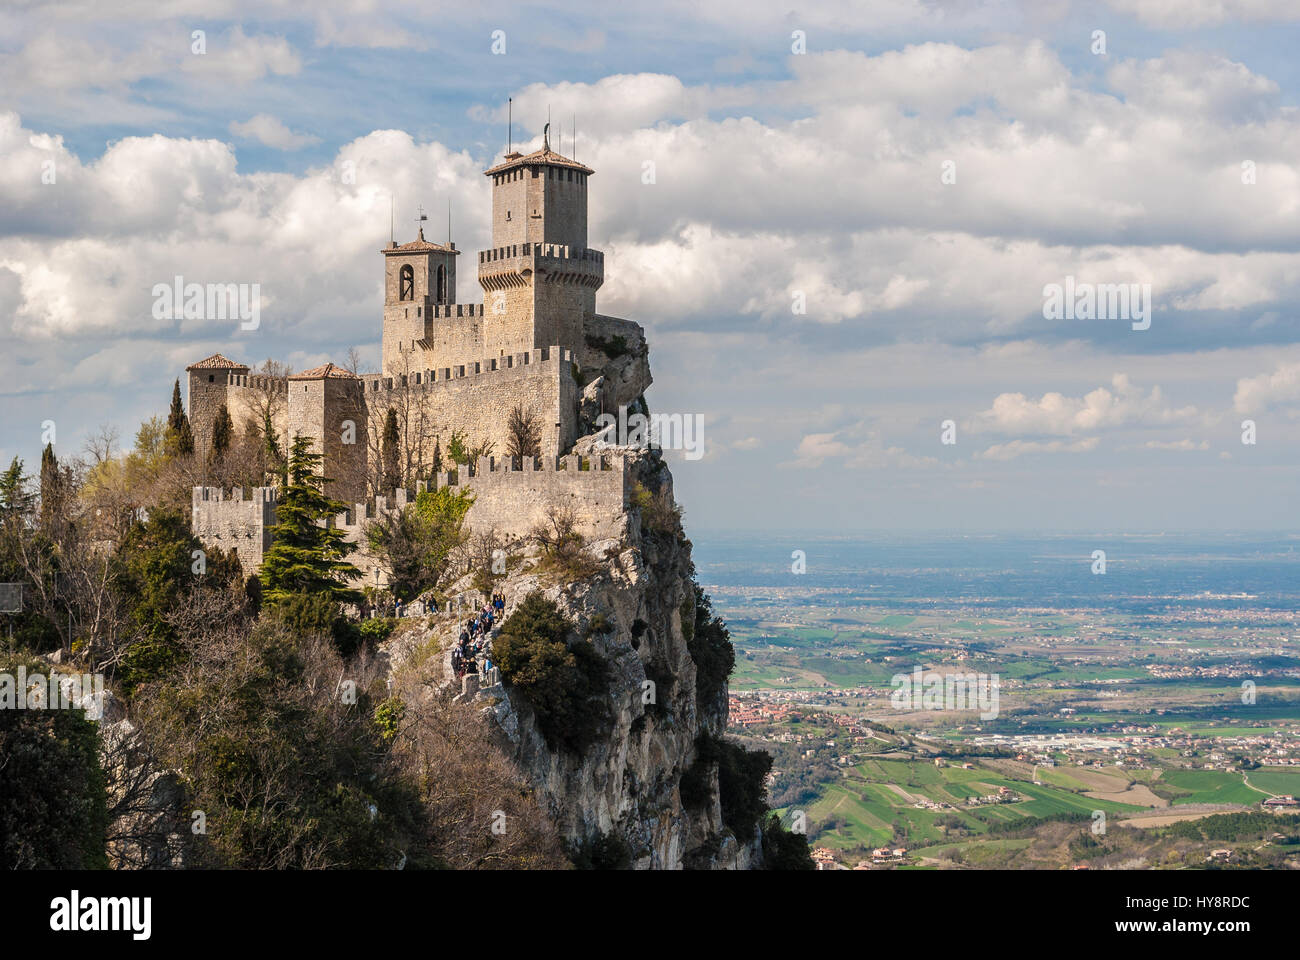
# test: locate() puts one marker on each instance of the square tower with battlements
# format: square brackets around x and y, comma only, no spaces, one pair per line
[539,277]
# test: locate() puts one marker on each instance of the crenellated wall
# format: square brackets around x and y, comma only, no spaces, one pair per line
[507,500]
[235,523]
[476,397]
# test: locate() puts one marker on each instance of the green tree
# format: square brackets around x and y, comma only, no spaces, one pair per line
[391,453]
[15,498]
[53,805]
[180,436]
[275,460]
[709,643]
[307,556]
[416,544]
[53,490]
[223,432]
[158,561]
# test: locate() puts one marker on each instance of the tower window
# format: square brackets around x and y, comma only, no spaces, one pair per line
[407,291]
[442,284]
[212,378]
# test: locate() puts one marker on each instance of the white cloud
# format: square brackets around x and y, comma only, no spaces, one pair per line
[1056,414]
[1258,393]
[1018,448]
[868,453]
[267,130]
[1190,14]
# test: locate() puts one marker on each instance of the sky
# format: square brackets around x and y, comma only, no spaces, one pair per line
[838,223]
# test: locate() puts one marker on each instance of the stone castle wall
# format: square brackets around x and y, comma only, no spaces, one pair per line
[508,501]
[233,523]
[477,398]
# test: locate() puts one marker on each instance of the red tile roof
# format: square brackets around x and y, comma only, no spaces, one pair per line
[324,371]
[217,361]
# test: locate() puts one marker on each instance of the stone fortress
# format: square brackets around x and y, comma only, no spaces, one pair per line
[535,342]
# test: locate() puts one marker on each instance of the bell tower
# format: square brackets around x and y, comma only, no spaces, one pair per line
[418,277]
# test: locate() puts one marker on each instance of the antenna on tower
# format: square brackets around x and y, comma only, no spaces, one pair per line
[510,130]
[392,222]
[575,135]
[449,221]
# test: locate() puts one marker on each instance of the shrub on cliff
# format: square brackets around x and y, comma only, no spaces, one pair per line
[565,684]
[563,547]
[783,850]
[742,783]
[605,851]
[709,643]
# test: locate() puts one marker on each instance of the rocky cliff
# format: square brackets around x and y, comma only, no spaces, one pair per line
[637,609]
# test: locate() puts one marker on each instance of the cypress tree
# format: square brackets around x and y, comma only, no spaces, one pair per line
[392,457]
[274,458]
[223,431]
[51,487]
[180,437]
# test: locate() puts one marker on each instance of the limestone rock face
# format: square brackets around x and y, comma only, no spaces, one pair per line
[617,349]
[627,784]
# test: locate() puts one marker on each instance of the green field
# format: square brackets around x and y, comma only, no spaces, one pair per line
[874,814]
[1210,786]
[1276,780]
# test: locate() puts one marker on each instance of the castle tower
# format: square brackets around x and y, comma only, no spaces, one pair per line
[539,278]
[419,277]
[210,381]
[327,403]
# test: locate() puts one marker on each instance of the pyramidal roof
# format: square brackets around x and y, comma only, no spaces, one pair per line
[325,371]
[419,244]
[217,361]
[545,155]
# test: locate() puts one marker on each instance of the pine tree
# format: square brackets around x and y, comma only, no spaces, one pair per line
[14,497]
[392,457]
[306,557]
[180,437]
[223,431]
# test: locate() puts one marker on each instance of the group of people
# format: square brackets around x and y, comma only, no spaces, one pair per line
[475,641]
